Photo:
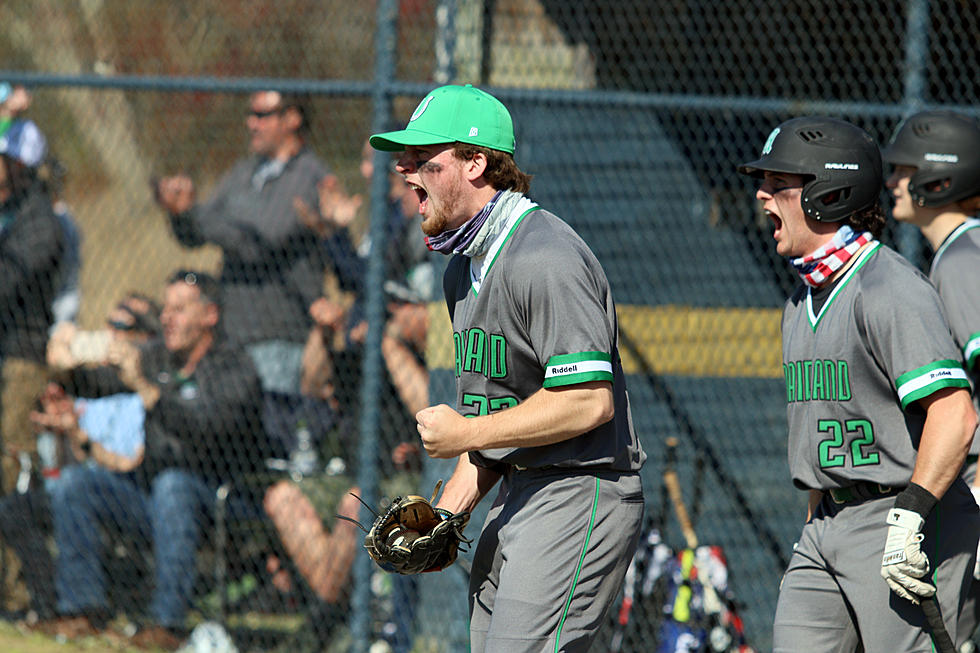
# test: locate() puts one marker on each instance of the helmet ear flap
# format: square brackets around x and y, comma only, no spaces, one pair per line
[825,201]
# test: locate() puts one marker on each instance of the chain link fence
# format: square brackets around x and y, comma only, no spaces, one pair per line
[630,114]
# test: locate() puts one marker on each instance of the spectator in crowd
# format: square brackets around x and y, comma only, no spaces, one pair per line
[32,246]
[273,264]
[202,400]
[310,518]
[107,431]
[333,349]
[14,100]
[403,349]
[68,295]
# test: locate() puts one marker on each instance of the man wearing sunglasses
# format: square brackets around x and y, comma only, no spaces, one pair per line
[273,263]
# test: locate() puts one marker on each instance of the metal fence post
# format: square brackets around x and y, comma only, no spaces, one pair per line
[907,237]
[367,475]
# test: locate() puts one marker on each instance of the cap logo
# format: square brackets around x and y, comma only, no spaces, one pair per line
[942,158]
[841,166]
[420,109]
[473,132]
[767,148]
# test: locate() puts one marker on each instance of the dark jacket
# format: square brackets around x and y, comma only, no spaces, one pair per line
[31,246]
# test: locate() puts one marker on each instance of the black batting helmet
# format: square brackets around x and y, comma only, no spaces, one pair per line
[841,161]
[944,147]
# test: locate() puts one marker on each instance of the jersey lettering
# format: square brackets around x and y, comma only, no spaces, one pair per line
[819,380]
[477,352]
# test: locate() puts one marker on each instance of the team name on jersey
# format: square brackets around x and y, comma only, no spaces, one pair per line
[478,352]
[817,380]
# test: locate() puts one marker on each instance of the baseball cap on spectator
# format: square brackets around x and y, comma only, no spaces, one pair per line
[452,114]
[24,142]
[5,90]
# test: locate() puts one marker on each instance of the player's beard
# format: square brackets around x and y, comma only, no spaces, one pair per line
[441,215]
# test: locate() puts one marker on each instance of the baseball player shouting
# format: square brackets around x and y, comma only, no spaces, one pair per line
[539,376]
[879,409]
[935,182]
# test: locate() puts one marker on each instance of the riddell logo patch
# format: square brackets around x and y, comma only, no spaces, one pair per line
[564,369]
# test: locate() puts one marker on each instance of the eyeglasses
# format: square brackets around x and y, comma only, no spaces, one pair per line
[264,114]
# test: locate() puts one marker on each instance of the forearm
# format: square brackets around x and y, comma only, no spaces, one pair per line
[114,461]
[411,379]
[149,393]
[316,370]
[185,229]
[946,437]
[467,486]
[546,417]
[83,446]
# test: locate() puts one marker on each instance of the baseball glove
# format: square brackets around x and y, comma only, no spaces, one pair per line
[410,536]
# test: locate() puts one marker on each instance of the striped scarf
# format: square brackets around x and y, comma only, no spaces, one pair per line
[475,236]
[816,268]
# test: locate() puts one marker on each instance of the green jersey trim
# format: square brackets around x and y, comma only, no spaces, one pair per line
[971,352]
[501,248]
[581,563]
[568,369]
[863,258]
[926,380]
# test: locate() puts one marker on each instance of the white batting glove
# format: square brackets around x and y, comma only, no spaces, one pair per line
[976,564]
[903,562]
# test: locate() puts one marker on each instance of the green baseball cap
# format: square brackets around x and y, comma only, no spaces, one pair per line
[453,113]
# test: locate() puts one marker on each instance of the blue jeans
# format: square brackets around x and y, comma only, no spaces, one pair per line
[172,514]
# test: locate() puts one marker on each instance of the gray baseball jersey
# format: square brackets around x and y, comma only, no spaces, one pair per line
[542,317]
[855,370]
[954,273]
[536,312]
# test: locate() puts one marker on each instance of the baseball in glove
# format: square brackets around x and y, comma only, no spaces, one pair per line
[410,536]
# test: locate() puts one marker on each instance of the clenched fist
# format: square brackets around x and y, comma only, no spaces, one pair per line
[444,432]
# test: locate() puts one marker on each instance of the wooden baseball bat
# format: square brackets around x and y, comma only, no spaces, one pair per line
[712,602]
[934,620]
[673,485]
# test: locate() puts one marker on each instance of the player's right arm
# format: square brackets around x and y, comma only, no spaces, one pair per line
[468,484]
[946,437]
